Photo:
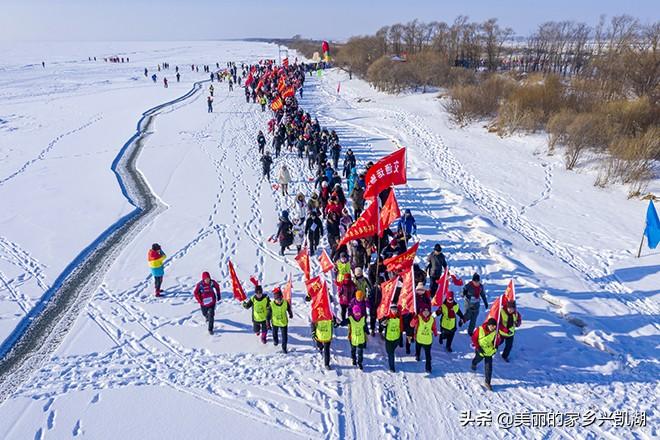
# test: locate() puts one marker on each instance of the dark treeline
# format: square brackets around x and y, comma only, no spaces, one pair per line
[592,89]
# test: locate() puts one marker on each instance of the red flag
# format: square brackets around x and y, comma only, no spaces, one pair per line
[407,296]
[288,92]
[249,79]
[402,262]
[326,263]
[387,288]
[365,226]
[285,62]
[239,293]
[441,290]
[260,84]
[318,290]
[390,170]
[325,47]
[286,293]
[303,261]
[276,104]
[388,213]
[510,293]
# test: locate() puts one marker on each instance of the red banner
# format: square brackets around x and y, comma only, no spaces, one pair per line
[406,301]
[288,92]
[325,262]
[388,213]
[387,288]
[286,293]
[318,290]
[390,170]
[303,261]
[441,290]
[236,286]
[365,226]
[402,262]
[277,104]
[285,62]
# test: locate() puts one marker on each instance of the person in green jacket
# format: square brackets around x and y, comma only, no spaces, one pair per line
[261,311]
[280,314]
[357,335]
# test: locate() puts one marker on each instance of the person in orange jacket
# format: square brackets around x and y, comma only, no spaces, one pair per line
[425,331]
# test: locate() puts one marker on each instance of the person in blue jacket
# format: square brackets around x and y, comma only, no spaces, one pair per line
[407,224]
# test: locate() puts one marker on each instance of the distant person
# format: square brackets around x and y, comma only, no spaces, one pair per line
[209,103]
[156,258]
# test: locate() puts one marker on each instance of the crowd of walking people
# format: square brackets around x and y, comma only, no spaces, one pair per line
[316,222]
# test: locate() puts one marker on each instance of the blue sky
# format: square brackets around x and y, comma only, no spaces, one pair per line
[331,19]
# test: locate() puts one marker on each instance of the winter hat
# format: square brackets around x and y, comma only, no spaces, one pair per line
[155,247]
[407,212]
[450,296]
[359,295]
[277,293]
[358,271]
[476,277]
[393,243]
[511,304]
[285,214]
[258,290]
[357,311]
[420,288]
[491,321]
[393,306]
[206,275]
[324,184]
[437,247]
[343,256]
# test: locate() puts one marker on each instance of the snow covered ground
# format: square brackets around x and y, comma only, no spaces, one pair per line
[134,365]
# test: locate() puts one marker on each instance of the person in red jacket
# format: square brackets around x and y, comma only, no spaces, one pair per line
[510,319]
[484,341]
[207,292]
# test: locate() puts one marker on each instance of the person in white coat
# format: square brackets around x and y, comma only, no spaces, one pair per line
[283,179]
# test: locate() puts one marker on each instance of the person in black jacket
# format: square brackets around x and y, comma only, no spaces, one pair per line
[284,232]
[436,264]
[261,141]
[313,231]
[266,162]
[473,293]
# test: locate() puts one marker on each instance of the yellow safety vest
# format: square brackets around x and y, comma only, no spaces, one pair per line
[259,309]
[393,331]
[445,322]
[324,331]
[487,342]
[504,319]
[343,269]
[280,317]
[424,333]
[357,331]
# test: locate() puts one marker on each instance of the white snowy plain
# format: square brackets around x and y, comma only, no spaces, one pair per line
[135,366]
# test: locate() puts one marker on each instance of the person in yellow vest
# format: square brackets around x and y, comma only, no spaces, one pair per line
[323,337]
[448,312]
[510,319]
[280,314]
[393,325]
[425,331]
[483,341]
[357,335]
[261,311]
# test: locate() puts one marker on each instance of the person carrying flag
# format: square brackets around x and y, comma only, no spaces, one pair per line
[510,319]
[483,341]
[261,312]
[448,312]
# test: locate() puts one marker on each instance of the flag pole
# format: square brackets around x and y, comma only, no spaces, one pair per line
[641,243]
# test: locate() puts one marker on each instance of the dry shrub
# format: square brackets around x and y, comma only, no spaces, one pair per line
[631,117]
[557,128]
[390,76]
[588,131]
[530,106]
[469,102]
